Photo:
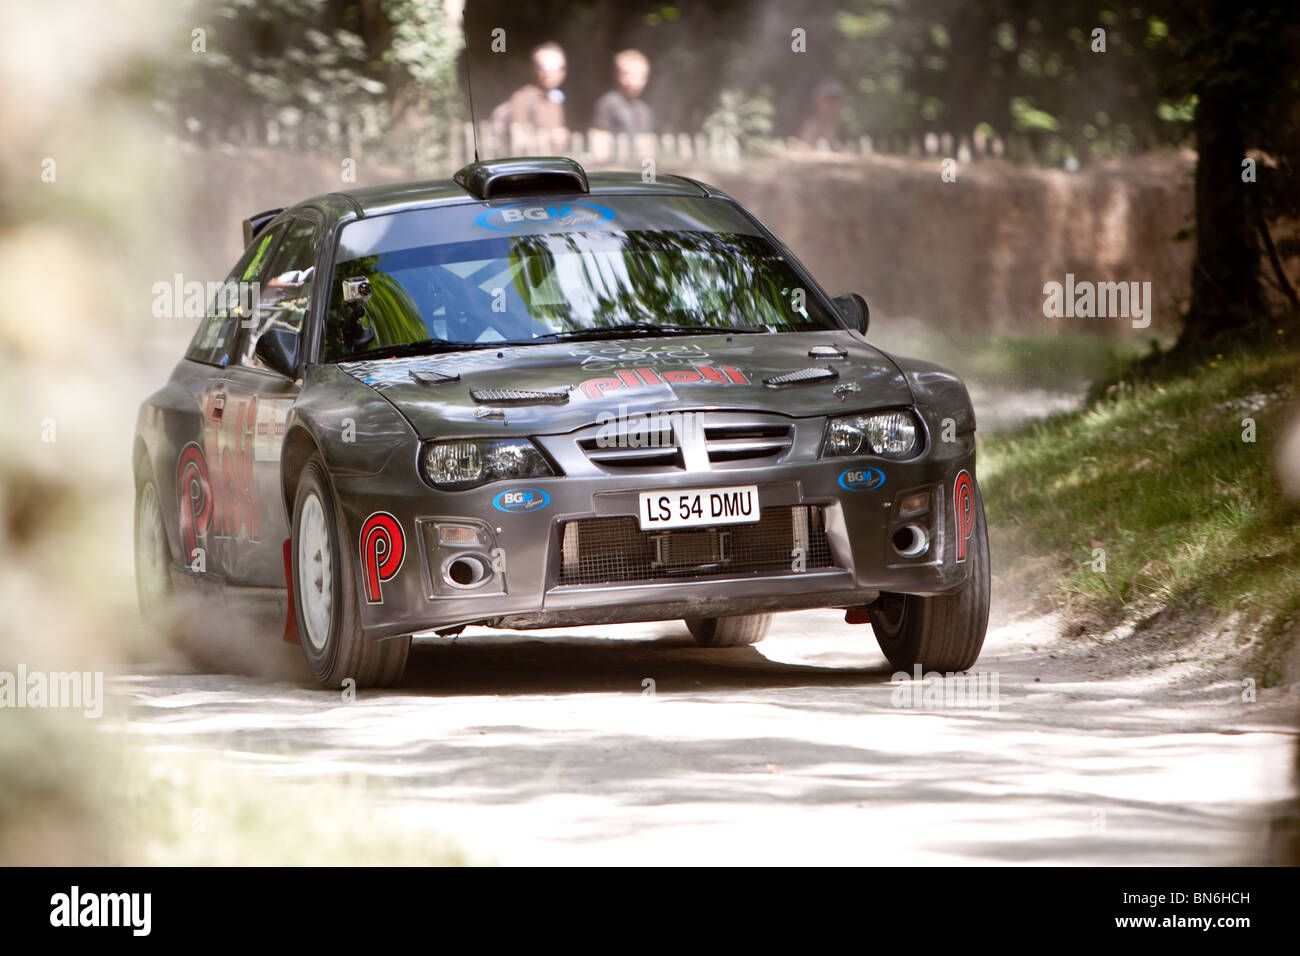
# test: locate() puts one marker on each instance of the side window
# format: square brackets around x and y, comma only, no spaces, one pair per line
[286,289]
[216,333]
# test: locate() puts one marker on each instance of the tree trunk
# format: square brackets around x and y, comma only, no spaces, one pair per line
[1226,289]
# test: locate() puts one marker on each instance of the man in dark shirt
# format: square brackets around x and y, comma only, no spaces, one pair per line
[823,130]
[622,110]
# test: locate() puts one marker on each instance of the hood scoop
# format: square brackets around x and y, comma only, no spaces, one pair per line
[424,377]
[518,396]
[803,376]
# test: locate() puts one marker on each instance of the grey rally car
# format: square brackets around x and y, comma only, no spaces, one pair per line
[534,397]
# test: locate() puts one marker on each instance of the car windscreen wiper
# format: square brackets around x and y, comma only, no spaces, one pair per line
[424,347]
[648,328]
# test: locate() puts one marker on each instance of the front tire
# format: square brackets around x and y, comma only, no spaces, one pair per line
[737,631]
[325,595]
[945,632]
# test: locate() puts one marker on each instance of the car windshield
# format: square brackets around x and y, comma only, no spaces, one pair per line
[480,275]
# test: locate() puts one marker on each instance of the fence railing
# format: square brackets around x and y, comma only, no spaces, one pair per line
[363,137]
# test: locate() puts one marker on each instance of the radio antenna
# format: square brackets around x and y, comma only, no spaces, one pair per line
[469,89]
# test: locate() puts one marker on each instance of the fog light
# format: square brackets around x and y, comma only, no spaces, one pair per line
[467,571]
[459,535]
[911,541]
[914,504]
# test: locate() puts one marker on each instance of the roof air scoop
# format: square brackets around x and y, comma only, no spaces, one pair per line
[541,176]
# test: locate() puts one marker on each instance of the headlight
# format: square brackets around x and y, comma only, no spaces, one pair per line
[889,434]
[457,465]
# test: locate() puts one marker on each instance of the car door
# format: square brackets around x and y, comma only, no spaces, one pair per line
[257,400]
[203,511]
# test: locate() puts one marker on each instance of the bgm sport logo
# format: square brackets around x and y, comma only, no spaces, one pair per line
[534,217]
[521,499]
[862,479]
[383,549]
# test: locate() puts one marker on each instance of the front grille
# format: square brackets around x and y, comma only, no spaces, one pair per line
[612,550]
[653,447]
[746,442]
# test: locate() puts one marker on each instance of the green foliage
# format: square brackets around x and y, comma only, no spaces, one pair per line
[319,68]
[1013,66]
[745,117]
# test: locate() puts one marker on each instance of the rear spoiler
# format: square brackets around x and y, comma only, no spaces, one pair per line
[257,222]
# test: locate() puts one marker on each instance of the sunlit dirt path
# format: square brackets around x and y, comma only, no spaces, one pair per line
[549,748]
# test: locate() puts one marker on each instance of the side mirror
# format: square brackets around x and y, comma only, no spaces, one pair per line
[853,310]
[278,349]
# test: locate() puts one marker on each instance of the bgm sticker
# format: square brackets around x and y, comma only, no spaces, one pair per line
[521,500]
[543,217]
[862,479]
[383,549]
[963,509]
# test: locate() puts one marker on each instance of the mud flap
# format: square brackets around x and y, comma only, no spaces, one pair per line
[290,618]
[852,615]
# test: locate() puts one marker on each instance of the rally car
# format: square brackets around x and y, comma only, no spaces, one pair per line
[532,397]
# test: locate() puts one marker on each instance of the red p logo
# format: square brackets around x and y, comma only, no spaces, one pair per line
[383,549]
[194,494]
[963,507]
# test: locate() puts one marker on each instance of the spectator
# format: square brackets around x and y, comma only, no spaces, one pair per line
[539,105]
[822,130]
[622,110]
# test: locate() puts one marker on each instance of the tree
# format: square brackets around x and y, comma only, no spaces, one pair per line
[1239,63]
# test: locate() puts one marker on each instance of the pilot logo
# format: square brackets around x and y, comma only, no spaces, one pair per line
[383,549]
[862,479]
[963,506]
[640,377]
[521,499]
[550,217]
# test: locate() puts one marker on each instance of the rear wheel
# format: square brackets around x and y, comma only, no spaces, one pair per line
[734,631]
[941,633]
[325,596]
[152,554]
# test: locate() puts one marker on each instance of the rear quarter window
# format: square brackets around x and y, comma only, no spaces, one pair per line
[215,337]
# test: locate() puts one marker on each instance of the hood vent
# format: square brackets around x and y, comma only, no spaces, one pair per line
[804,376]
[423,377]
[518,396]
[828,352]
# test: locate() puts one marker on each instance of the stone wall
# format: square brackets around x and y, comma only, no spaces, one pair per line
[972,254]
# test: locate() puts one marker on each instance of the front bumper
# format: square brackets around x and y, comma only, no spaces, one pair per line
[527,559]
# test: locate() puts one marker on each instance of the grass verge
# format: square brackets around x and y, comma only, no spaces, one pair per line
[1160,481]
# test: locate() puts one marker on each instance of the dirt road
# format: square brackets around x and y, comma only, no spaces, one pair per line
[553,747]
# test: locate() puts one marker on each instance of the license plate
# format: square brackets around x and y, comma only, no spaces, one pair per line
[692,509]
